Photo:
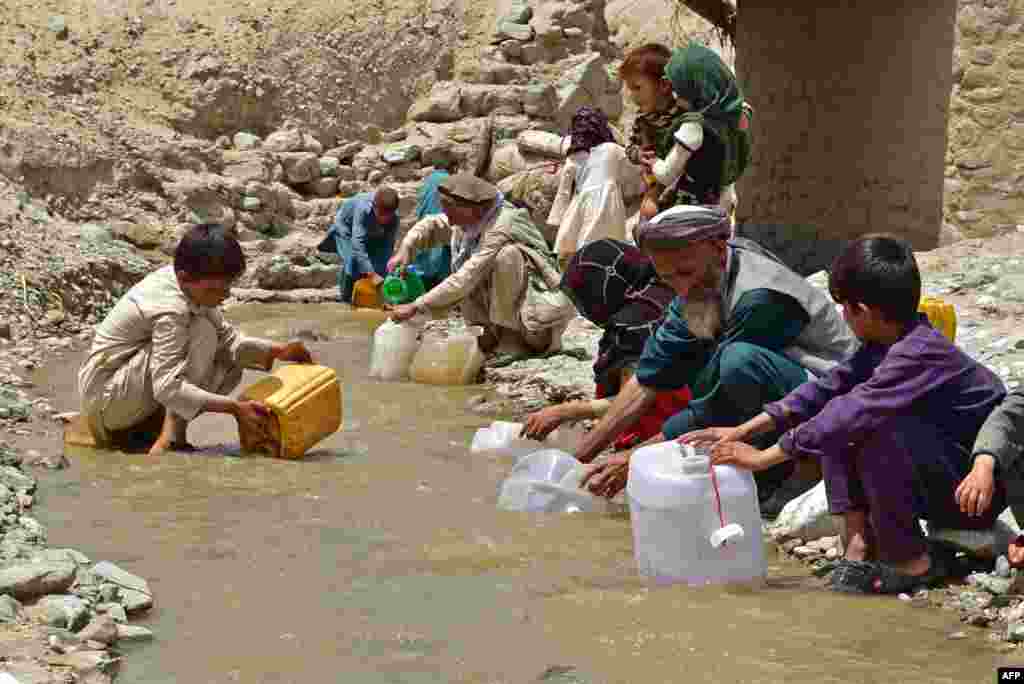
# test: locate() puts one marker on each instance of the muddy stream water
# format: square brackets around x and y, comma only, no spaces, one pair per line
[381,558]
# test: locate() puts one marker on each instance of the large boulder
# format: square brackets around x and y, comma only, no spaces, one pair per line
[279,273]
[287,140]
[26,581]
[484,100]
[467,143]
[300,167]
[135,594]
[442,105]
[248,165]
[587,82]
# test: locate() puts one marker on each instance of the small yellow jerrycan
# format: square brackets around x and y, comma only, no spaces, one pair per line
[365,295]
[305,404]
[941,314]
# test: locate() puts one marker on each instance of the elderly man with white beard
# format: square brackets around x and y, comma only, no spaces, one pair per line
[743,331]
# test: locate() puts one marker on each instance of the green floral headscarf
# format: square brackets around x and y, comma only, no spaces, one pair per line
[700,76]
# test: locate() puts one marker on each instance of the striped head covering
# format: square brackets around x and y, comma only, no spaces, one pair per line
[682,224]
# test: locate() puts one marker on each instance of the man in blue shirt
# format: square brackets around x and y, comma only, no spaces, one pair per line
[363,237]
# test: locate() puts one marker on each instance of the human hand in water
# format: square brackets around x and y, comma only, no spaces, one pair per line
[974,493]
[397,261]
[403,312]
[608,478]
[293,351]
[540,423]
[712,435]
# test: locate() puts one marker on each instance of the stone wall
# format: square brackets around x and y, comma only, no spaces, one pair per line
[850,125]
[983,191]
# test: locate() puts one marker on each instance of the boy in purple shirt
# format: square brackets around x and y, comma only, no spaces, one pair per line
[893,427]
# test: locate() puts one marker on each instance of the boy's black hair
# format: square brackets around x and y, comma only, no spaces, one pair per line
[878,271]
[209,250]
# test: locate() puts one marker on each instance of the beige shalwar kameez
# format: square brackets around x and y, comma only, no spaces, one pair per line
[511,279]
[156,349]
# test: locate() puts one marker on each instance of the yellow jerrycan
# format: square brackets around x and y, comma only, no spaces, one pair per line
[941,314]
[365,295]
[305,404]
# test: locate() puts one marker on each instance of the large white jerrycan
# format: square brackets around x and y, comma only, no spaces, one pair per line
[394,346]
[502,439]
[547,481]
[678,533]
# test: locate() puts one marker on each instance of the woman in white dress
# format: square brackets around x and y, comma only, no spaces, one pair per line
[589,205]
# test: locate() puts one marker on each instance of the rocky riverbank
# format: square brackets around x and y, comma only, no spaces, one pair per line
[62,615]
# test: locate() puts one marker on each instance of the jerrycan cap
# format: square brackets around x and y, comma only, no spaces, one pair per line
[732,532]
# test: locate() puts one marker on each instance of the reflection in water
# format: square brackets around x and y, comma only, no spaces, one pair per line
[381,557]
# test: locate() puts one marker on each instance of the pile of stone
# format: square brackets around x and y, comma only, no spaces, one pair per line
[85,606]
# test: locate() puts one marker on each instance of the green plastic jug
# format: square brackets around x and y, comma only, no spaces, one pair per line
[402,286]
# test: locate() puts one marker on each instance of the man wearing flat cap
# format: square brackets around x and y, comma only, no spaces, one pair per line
[742,331]
[504,276]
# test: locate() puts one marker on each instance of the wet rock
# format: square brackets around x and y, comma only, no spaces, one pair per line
[69,612]
[972,601]
[133,633]
[1015,632]
[992,583]
[52,461]
[60,556]
[10,608]
[806,552]
[983,543]
[27,672]
[34,531]
[101,628]
[135,592]
[114,610]
[25,581]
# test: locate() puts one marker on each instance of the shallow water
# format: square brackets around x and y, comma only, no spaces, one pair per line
[381,558]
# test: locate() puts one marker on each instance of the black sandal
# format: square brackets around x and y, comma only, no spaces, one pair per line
[872,577]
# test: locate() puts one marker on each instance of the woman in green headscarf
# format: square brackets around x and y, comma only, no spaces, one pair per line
[711,141]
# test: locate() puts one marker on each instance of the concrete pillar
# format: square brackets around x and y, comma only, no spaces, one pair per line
[851,100]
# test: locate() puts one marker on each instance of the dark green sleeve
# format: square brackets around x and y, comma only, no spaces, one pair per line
[766,318]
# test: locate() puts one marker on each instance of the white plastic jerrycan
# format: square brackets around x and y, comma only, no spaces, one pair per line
[679,532]
[394,346]
[501,440]
[456,360]
[547,481]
